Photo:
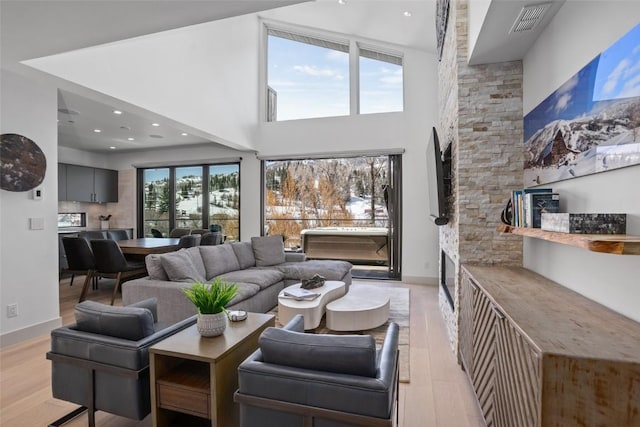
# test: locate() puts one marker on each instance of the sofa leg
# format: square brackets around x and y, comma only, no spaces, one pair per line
[68,417]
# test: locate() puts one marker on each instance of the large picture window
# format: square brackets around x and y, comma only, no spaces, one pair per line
[192,197]
[314,76]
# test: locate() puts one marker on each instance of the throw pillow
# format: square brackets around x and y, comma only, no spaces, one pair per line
[129,323]
[180,268]
[150,304]
[218,259]
[344,354]
[154,267]
[244,253]
[268,250]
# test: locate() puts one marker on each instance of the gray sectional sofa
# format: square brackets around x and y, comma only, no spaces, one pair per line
[260,268]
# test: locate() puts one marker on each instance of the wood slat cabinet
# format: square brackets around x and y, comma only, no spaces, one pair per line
[539,354]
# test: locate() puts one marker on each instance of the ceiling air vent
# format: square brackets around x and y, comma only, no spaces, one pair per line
[529,17]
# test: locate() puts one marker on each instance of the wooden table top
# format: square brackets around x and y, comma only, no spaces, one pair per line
[149,245]
[189,343]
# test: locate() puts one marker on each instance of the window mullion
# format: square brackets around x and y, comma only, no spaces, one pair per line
[354,78]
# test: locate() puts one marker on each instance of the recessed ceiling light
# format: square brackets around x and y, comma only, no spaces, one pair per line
[342,1]
[97,130]
[407,13]
[112,148]
[131,139]
[184,134]
[117,112]
[155,124]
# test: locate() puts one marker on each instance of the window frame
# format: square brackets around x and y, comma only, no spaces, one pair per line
[172,192]
[355,45]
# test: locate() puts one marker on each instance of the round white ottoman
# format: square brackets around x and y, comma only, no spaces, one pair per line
[364,307]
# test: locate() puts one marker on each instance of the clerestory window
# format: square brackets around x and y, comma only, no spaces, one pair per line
[312,77]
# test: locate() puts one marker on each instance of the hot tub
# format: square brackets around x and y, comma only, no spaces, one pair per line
[355,244]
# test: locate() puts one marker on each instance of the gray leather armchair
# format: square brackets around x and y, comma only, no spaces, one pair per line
[298,379]
[102,362]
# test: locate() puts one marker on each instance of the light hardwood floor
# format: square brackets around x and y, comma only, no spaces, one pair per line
[438,395]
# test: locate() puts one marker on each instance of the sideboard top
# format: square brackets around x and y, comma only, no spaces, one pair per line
[556,319]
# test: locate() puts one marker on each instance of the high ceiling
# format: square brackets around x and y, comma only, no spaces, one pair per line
[37,28]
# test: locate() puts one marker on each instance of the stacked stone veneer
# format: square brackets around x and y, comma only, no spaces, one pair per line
[481,115]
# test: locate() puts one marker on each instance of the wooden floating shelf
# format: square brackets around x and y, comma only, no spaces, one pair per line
[618,244]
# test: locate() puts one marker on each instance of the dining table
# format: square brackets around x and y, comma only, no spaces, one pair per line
[148,245]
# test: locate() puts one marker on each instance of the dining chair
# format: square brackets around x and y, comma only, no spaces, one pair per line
[200,231]
[179,232]
[156,233]
[111,263]
[92,235]
[81,261]
[189,241]
[211,239]
[118,234]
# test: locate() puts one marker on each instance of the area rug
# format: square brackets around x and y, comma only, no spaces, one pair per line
[398,312]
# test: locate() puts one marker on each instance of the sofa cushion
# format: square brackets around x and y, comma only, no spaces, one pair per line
[154,267]
[129,323]
[244,253]
[218,260]
[344,354]
[179,267]
[245,291]
[329,269]
[196,257]
[268,250]
[263,277]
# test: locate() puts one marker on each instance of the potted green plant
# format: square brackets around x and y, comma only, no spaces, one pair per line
[210,299]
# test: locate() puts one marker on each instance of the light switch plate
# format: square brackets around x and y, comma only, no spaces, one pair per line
[36,223]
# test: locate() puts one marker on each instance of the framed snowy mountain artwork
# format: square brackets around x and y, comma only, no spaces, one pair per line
[592,122]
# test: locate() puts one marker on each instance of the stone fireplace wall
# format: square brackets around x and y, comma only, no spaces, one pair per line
[481,115]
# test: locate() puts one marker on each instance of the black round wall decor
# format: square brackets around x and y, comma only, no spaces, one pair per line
[23,163]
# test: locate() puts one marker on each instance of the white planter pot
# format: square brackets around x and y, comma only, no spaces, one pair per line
[104,225]
[211,325]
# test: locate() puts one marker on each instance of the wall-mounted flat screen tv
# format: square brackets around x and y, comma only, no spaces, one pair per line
[438,174]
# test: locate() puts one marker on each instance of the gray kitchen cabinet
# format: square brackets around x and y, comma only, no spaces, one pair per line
[86,184]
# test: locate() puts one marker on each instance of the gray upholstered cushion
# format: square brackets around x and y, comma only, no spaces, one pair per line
[150,304]
[345,354]
[179,267]
[154,267]
[329,269]
[196,257]
[245,290]
[262,277]
[129,323]
[268,250]
[218,259]
[244,253]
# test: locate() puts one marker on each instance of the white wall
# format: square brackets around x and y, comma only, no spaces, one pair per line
[204,76]
[579,32]
[29,258]
[477,10]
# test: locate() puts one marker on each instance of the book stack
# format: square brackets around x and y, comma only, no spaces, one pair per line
[300,294]
[529,204]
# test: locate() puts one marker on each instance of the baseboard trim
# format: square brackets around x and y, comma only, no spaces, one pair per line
[19,335]
[420,280]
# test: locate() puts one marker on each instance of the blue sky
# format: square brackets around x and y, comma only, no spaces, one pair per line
[614,74]
[313,81]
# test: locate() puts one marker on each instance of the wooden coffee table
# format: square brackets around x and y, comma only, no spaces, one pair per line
[194,378]
[312,310]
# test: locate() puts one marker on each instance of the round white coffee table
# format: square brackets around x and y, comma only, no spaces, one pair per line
[312,310]
[364,307]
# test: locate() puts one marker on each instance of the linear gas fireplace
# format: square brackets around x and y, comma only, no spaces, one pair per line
[448,277]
